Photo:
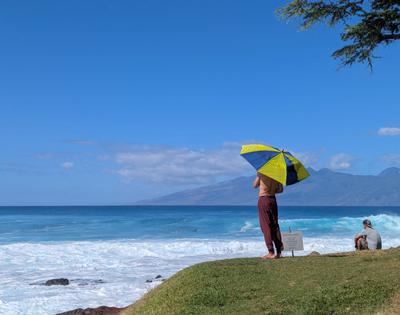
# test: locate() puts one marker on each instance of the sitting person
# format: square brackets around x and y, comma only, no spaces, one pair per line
[369,238]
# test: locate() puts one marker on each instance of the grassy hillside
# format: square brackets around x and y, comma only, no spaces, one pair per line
[362,283]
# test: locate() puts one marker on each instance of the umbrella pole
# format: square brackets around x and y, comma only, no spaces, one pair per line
[290,231]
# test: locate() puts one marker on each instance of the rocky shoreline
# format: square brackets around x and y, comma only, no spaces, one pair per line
[101,310]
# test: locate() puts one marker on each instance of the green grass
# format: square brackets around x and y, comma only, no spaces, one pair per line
[361,283]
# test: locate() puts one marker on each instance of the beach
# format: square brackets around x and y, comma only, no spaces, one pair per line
[114,255]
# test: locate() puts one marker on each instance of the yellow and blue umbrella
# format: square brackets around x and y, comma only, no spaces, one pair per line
[277,164]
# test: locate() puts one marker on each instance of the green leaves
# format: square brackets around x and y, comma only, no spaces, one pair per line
[366,24]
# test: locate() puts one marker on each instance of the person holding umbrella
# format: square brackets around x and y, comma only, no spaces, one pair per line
[275,168]
[268,214]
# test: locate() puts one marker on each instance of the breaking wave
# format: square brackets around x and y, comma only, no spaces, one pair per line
[125,249]
[123,267]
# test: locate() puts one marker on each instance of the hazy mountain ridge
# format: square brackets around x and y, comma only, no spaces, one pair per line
[323,188]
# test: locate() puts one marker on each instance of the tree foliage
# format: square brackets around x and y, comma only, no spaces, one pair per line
[366,24]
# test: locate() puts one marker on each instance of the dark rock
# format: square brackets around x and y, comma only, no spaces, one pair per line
[102,310]
[60,281]
[149,281]
[158,277]
[314,254]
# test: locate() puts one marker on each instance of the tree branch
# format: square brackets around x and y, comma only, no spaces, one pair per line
[390,37]
[366,23]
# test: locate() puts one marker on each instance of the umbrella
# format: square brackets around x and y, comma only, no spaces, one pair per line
[277,164]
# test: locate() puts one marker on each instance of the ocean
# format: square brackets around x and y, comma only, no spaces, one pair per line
[109,253]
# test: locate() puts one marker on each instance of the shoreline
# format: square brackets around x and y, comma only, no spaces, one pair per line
[124,262]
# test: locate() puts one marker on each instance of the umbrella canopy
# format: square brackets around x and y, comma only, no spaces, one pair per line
[276,164]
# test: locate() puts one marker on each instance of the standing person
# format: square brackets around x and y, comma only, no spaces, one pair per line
[368,238]
[268,214]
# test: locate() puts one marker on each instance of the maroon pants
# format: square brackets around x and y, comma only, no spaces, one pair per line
[268,214]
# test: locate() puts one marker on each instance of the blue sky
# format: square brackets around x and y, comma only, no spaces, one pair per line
[106,102]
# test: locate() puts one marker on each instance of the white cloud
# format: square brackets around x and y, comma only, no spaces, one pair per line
[389,131]
[180,165]
[341,161]
[67,165]
[392,159]
[307,159]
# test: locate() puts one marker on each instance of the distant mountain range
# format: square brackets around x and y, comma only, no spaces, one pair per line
[322,188]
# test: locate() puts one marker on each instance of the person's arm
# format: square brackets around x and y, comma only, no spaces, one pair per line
[358,236]
[256,182]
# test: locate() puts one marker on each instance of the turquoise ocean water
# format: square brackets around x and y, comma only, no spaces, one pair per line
[125,246]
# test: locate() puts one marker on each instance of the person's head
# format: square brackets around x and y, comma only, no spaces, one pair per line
[367,223]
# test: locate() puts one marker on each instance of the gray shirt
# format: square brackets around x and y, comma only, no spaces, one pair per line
[373,238]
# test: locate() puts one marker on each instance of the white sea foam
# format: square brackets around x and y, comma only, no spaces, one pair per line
[386,223]
[247,226]
[124,266]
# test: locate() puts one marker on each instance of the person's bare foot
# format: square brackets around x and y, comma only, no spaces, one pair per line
[277,256]
[269,256]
